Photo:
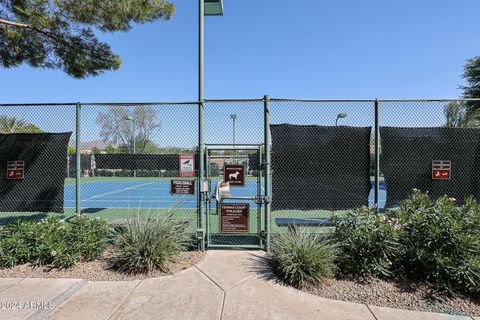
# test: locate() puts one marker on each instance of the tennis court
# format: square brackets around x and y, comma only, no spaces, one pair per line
[145,193]
[120,198]
[139,194]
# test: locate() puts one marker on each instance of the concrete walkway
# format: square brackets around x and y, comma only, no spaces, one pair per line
[225,285]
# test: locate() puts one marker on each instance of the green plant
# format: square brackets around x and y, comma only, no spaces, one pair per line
[147,244]
[299,258]
[440,241]
[52,242]
[368,243]
[424,239]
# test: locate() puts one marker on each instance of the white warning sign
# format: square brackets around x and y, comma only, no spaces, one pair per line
[187,165]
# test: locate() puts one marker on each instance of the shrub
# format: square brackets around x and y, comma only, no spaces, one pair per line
[52,242]
[148,244]
[299,258]
[424,239]
[440,241]
[368,243]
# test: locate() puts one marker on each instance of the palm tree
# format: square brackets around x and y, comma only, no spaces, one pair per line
[14,125]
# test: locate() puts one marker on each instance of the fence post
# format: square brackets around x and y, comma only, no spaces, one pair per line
[201,142]
[201,176]
[77,156]
[377,151]
[268,193]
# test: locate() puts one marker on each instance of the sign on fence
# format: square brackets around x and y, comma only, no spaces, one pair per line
[182,186]
[187,165]
[234,218]
[234,174]
[441,169]
[15,170]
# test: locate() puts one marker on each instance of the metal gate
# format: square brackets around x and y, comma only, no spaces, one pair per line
[235,200]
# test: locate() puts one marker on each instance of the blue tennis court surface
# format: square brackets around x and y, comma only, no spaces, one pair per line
[154,193]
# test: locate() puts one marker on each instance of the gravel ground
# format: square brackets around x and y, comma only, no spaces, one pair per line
[97,270]
[398,294]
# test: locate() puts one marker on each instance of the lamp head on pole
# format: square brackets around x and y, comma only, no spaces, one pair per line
[233,116]
[340,116]
[214,7]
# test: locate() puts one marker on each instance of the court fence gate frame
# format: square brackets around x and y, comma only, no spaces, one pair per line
[114,193]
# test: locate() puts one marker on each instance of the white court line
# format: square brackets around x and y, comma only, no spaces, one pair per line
[147,208]
[117,191]
[113,197]
[140,202]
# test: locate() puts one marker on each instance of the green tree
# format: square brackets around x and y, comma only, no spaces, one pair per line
[60,34]
[110,149]
[471,75]
[15,125]
[151,147]
[456,115]
[121,125]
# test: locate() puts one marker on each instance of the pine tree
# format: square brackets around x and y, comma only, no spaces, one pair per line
[59,34]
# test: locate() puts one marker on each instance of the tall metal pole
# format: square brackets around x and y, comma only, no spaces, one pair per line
[234,132]
[68,164]
[77,164]
[133,129]
[268,192]
[201,142]
[377,152]
[233,116]
[134,146]
[234,152]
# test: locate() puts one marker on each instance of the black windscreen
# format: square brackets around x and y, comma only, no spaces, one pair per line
[407,155]
[318,167]
[44,158]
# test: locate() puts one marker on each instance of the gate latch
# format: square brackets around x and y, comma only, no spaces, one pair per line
[263,234]
[259,199]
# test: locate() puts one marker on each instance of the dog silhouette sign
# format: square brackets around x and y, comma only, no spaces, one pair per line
[234,174]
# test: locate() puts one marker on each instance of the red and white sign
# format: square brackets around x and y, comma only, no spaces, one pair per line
[441,169]
[15,170]
[187,165]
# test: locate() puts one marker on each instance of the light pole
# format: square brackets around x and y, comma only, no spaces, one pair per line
[205,8]
[133,133]
[233,116]
[340,116]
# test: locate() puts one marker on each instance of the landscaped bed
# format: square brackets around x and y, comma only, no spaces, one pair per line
[424,255]
[88,249]
[98,269]
[399,294]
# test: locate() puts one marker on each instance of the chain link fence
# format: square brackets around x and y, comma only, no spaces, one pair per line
[128,153]
[327,157]
[326,161]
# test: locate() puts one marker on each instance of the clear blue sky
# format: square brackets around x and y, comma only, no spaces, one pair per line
[301,48]
[329,49]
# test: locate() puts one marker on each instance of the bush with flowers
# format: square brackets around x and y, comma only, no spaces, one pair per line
[368,242]
[440,241]
[52,241]
[424,239]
